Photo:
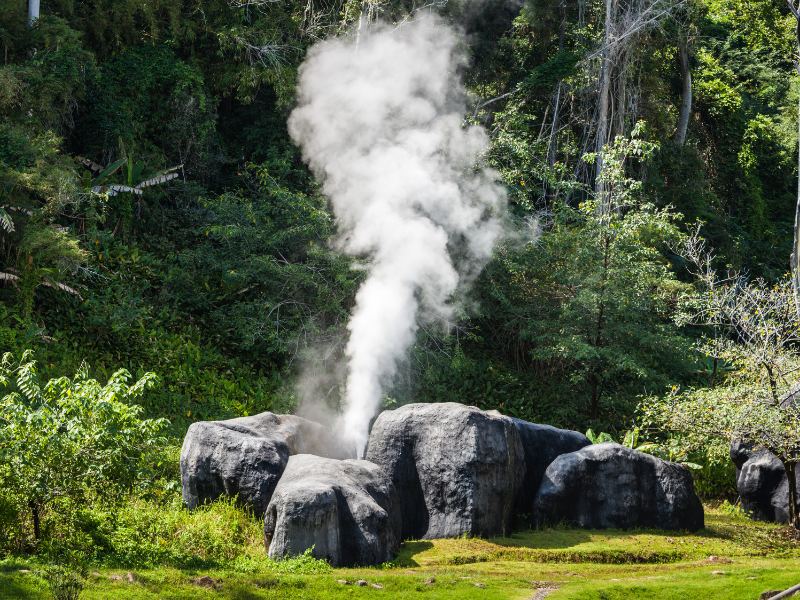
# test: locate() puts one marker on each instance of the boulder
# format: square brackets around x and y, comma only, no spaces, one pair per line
[456,468]
[245,456]
[542,444]
[762,483]
[609,485]
[344,510]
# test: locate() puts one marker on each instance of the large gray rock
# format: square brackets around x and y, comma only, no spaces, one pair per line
[346,510]
[762,483]
[245,456]
[542,444]
[608,485]
[456,468]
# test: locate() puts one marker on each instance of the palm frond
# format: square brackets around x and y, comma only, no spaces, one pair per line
[157,180]
[162,177]
[113,190]
[57,285]
[6,222]
[25,211]
[109,171]
[5,276]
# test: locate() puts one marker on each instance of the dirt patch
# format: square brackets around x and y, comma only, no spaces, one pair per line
[207,582]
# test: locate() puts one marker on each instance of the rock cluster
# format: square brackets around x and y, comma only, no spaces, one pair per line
[762,483]
[611,486]
[346,510]
[542,444]
[761,477]
[457,468]
[431,470]
[245,457]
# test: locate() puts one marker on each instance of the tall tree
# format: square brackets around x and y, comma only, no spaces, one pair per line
[794,6]
[686,89]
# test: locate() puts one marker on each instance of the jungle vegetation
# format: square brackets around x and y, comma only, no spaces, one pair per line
[165,255]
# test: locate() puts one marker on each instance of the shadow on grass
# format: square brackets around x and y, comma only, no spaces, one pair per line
[407,552]
[605,546]
[14,588]
[247,588]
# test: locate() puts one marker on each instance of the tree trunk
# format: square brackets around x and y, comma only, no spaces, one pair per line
[37,522]
[603,109]
[794,519]
[712,378]
[795,258]
[773,384]
[33,12]
[594,406]
[686,92]
[552,143]
[594,373]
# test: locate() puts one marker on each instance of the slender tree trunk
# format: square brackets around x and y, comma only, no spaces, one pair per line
[795,258]
[686,92]
[773,384]
[37,521]
[594,407]
[604,109]
[552,143]
[713,377]
[33,12]
[794,518]
[594,373]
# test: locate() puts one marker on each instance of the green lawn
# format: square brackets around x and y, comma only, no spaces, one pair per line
[732,558]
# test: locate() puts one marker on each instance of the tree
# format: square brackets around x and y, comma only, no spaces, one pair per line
[625,22]
[685,35]
[794,7]
[589,301]
[753,321]
[71,437]
[740,409]
[754,328]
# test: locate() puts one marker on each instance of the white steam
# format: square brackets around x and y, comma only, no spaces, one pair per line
[380,122]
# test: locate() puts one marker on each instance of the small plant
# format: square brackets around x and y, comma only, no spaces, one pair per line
[64,583]
[632,438]
[733,510]
[598,438]
[303,564]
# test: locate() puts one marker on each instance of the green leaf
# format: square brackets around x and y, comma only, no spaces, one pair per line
[109,171]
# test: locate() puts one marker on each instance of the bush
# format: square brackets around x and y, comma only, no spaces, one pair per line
[64,583]
[150,533]
[71,440]
[137,533]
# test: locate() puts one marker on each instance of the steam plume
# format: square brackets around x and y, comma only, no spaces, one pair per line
[379,121]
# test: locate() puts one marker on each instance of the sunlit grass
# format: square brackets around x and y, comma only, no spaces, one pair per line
[732,558]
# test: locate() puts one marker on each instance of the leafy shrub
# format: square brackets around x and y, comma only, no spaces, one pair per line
[141,533]
[72,439]
[64,583]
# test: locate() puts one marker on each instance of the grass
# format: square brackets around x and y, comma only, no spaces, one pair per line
[732,558]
